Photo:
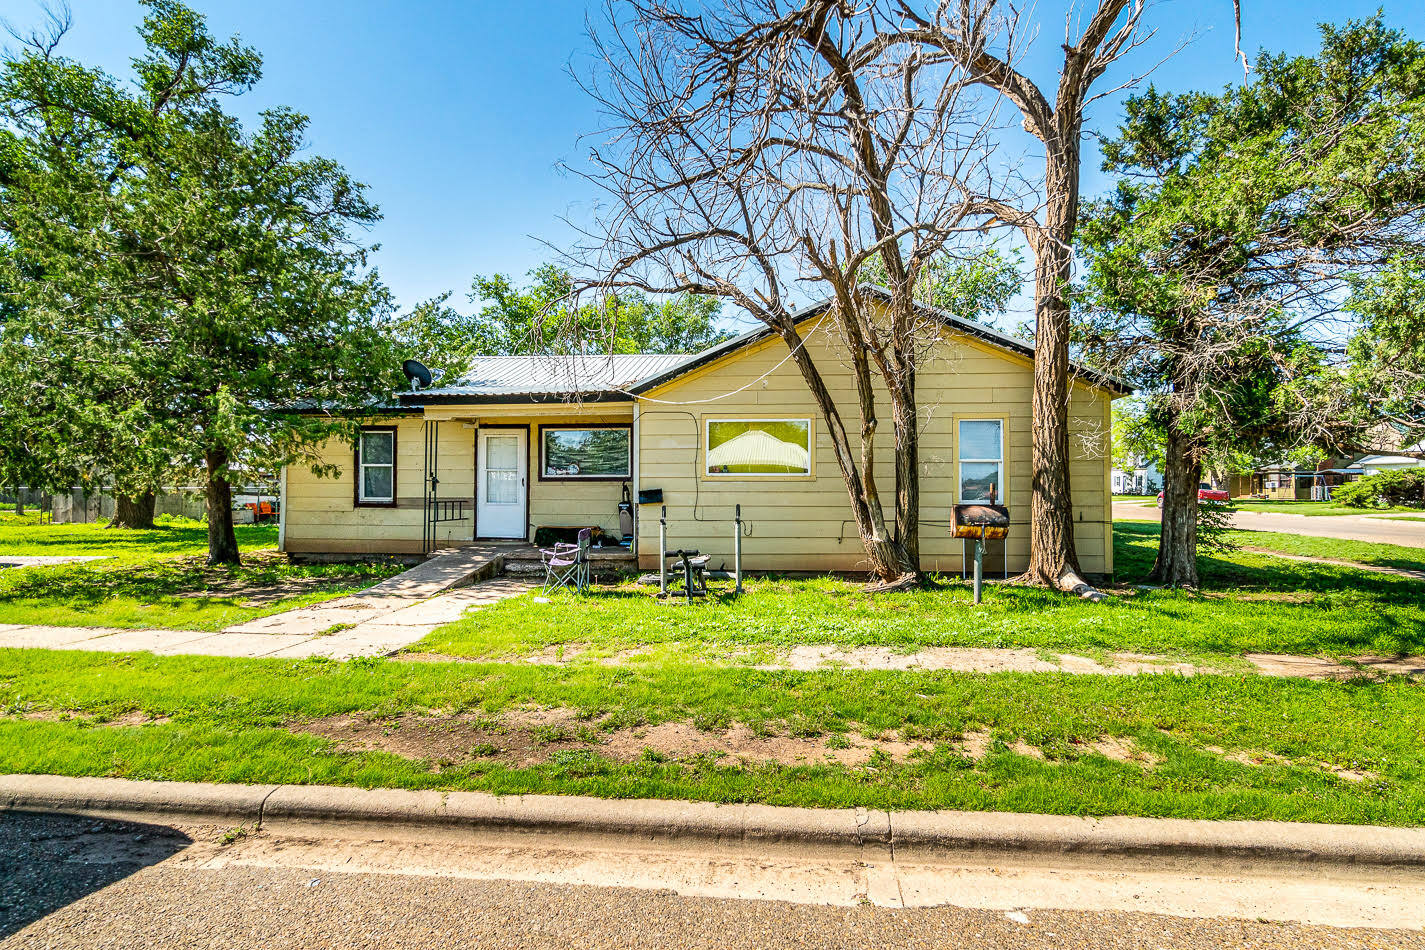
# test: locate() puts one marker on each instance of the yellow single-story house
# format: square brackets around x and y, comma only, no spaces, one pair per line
[524,447]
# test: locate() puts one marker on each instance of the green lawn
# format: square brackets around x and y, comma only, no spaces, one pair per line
[1313,508]
[667,723]
[171,538]
[1214,746]
[1361,552]
[157,578]
[1252,603]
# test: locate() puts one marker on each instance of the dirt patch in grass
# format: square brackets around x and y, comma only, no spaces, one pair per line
[1256,757]
[529,737]
[127,719]
[1122,750]
[523,738]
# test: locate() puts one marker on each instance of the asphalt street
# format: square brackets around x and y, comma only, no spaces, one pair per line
[85,883]
[1409,533]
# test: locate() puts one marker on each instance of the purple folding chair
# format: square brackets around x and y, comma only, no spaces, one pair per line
[567,565]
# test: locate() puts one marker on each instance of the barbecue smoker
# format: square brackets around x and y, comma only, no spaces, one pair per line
[980,523]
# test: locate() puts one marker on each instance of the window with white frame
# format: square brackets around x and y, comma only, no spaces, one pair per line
[376,467]
[758,447]
[981,454]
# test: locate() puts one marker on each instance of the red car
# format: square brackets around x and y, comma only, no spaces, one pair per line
[1205,492]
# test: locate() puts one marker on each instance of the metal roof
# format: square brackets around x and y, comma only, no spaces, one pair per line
[552,376]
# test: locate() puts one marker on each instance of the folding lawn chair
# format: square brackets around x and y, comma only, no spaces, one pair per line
[567,565]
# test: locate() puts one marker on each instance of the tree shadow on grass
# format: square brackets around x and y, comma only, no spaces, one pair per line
[55,860]
[184,577]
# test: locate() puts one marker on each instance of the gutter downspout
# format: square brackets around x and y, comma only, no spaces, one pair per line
[634,499]
[282,513]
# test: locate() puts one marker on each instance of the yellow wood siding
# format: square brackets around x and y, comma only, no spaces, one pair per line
[807,525]
[800,524]
[321,516]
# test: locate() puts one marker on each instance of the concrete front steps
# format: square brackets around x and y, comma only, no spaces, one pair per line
[525,561]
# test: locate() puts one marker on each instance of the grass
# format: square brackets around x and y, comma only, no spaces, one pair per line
[1361,552]
[1253,603]
[1313,508]
[157,578]
[173,537]
[1235,746]
[225,723]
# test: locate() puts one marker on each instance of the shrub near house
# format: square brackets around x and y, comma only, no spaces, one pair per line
[1385,490]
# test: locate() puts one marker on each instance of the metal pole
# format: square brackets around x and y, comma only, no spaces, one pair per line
[663,551]
[737,547]
[979,564]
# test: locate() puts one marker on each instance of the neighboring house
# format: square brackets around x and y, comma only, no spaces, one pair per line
[1286,482]
[1375,464]
[1142,479]
[522,443]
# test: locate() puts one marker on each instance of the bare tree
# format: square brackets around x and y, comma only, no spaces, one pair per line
[982,38]
[771,144]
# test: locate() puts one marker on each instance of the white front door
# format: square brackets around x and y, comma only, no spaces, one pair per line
[501,483]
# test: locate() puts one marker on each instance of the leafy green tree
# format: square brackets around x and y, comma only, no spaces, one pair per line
[1372,398]
[188,294]
[542,316]
[1217,265]
[975,287]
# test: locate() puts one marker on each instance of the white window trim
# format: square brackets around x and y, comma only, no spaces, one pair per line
[544,430]
[362,465]
[959,461]
[811,447]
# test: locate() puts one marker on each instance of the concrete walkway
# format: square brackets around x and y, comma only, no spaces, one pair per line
[1346,527]
[47,560]
[1336,562]
[827,656]
[375,622]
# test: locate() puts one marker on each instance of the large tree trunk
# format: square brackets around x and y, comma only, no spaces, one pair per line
[222,540]
[19,500]
[886,558]
[1052,558]
[1176,565]
[907,475]
[133,511]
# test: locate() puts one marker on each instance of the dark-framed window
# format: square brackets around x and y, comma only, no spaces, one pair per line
[376,467]
[587,453]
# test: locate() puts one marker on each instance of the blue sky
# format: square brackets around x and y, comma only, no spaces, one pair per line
[457,114]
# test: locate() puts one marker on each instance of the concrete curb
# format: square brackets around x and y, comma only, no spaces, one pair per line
[646,823]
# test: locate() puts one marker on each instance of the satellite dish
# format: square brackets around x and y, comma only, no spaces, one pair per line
[419,376]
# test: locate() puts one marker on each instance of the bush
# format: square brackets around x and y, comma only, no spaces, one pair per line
[1387,489]
[1214,524]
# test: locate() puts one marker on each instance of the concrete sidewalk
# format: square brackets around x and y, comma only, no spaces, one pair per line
[339,629]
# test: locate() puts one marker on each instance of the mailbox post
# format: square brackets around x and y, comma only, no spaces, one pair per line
[979,523]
